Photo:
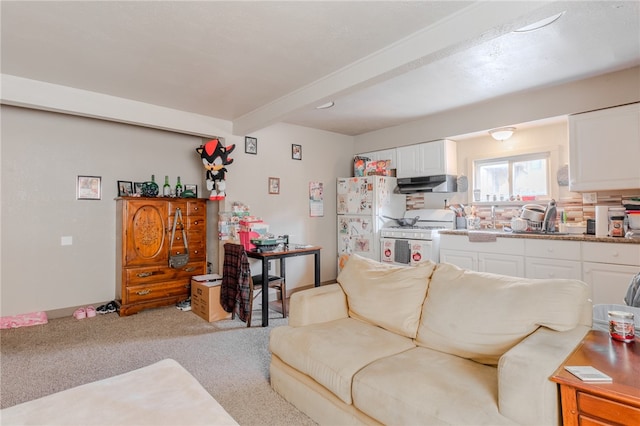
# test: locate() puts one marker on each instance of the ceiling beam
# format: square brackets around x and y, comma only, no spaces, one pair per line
[480,21]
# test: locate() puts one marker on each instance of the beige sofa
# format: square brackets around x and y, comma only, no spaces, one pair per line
[432,344]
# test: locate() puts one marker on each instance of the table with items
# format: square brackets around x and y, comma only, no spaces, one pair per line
[292,250]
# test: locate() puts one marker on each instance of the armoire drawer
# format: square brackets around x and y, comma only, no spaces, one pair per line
[154,274]
[146,292]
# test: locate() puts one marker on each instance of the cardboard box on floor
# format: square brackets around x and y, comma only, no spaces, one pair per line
[205,298]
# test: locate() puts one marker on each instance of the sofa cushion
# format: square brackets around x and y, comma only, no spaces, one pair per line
[426,387]
[480,316]
[332,352]
[389,296]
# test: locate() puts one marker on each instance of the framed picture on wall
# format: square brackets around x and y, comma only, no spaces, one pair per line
[250,145]
[89,188]
[274,185]
[125,188]
[296,152]
[137,188]
[191,187]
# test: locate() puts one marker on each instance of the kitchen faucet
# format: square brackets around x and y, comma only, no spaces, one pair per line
[493,217]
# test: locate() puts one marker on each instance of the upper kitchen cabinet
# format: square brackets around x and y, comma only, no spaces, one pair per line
[385,154]
[604,148]
[427,159]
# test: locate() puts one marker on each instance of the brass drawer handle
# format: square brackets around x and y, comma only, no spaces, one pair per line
[144,274]
[190,269]
[143,292]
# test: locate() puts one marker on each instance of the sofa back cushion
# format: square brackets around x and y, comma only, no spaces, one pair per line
[480,316]
[388,296]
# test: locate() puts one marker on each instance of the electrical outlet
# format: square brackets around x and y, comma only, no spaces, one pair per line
[589,197]
[66,241]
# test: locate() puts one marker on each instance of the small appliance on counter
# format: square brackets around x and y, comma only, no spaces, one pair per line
[633,221]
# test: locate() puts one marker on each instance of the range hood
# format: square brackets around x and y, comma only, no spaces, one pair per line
[438,183]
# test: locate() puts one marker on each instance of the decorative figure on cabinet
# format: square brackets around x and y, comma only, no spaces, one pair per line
[214,157]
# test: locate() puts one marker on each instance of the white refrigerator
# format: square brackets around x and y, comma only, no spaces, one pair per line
[362,202]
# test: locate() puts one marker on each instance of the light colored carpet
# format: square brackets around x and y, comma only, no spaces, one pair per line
[230,360]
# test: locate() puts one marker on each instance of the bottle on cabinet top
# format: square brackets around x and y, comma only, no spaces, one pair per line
[178,188]
[166,189]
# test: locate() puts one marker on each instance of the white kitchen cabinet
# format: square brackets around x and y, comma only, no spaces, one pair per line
[604,148]
[427,159]
[461,258]
[552,259]
[608,269]
[503,256]
[504,264]
[385,154]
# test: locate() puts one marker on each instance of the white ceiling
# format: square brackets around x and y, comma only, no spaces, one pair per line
[254,63]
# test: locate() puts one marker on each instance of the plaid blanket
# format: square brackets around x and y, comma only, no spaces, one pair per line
[235,292]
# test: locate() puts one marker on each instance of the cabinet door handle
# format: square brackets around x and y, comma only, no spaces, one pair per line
[144,274]
[195,222]
[143,292]
[189,269]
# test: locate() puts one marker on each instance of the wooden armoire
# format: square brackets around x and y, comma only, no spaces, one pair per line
[143,232]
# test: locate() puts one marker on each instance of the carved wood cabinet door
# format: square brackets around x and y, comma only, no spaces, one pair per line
[146,236]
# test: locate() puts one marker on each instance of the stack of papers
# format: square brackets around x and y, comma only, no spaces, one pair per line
[587,373]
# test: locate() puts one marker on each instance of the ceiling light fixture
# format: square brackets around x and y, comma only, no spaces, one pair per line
[502,134]
[325,105]
[540,24]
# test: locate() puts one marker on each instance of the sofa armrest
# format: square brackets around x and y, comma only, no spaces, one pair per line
[525,393]
[318,304]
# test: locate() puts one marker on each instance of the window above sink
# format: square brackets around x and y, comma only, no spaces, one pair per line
[505,178]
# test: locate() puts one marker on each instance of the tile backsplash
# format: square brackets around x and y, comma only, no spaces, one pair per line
[575,209]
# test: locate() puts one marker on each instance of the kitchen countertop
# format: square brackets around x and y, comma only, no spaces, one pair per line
[563,237]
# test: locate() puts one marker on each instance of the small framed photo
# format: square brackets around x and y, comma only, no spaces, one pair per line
[89,188]
[125,188]
[274,185]
[191,187]
[137,188]
[250,145]
[296,152]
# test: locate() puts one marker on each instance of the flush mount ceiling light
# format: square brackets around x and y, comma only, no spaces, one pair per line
[540,24]
[502,134]
[325,105]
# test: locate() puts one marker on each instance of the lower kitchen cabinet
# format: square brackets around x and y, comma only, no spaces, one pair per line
[504,264]
[503,256]
[553,259]
[606,267]
[461,258]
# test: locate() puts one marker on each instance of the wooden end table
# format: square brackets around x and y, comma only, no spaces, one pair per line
[616,403]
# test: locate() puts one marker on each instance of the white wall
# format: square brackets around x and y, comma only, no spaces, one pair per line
[43,152]
[325,156]
[608,90]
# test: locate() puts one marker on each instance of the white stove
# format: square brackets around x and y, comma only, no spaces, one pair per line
[411,245]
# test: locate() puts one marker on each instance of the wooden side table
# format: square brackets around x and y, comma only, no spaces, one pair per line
[616,403]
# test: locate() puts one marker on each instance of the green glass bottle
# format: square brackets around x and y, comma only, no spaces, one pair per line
[150,188]
[166,189]
[178,188]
